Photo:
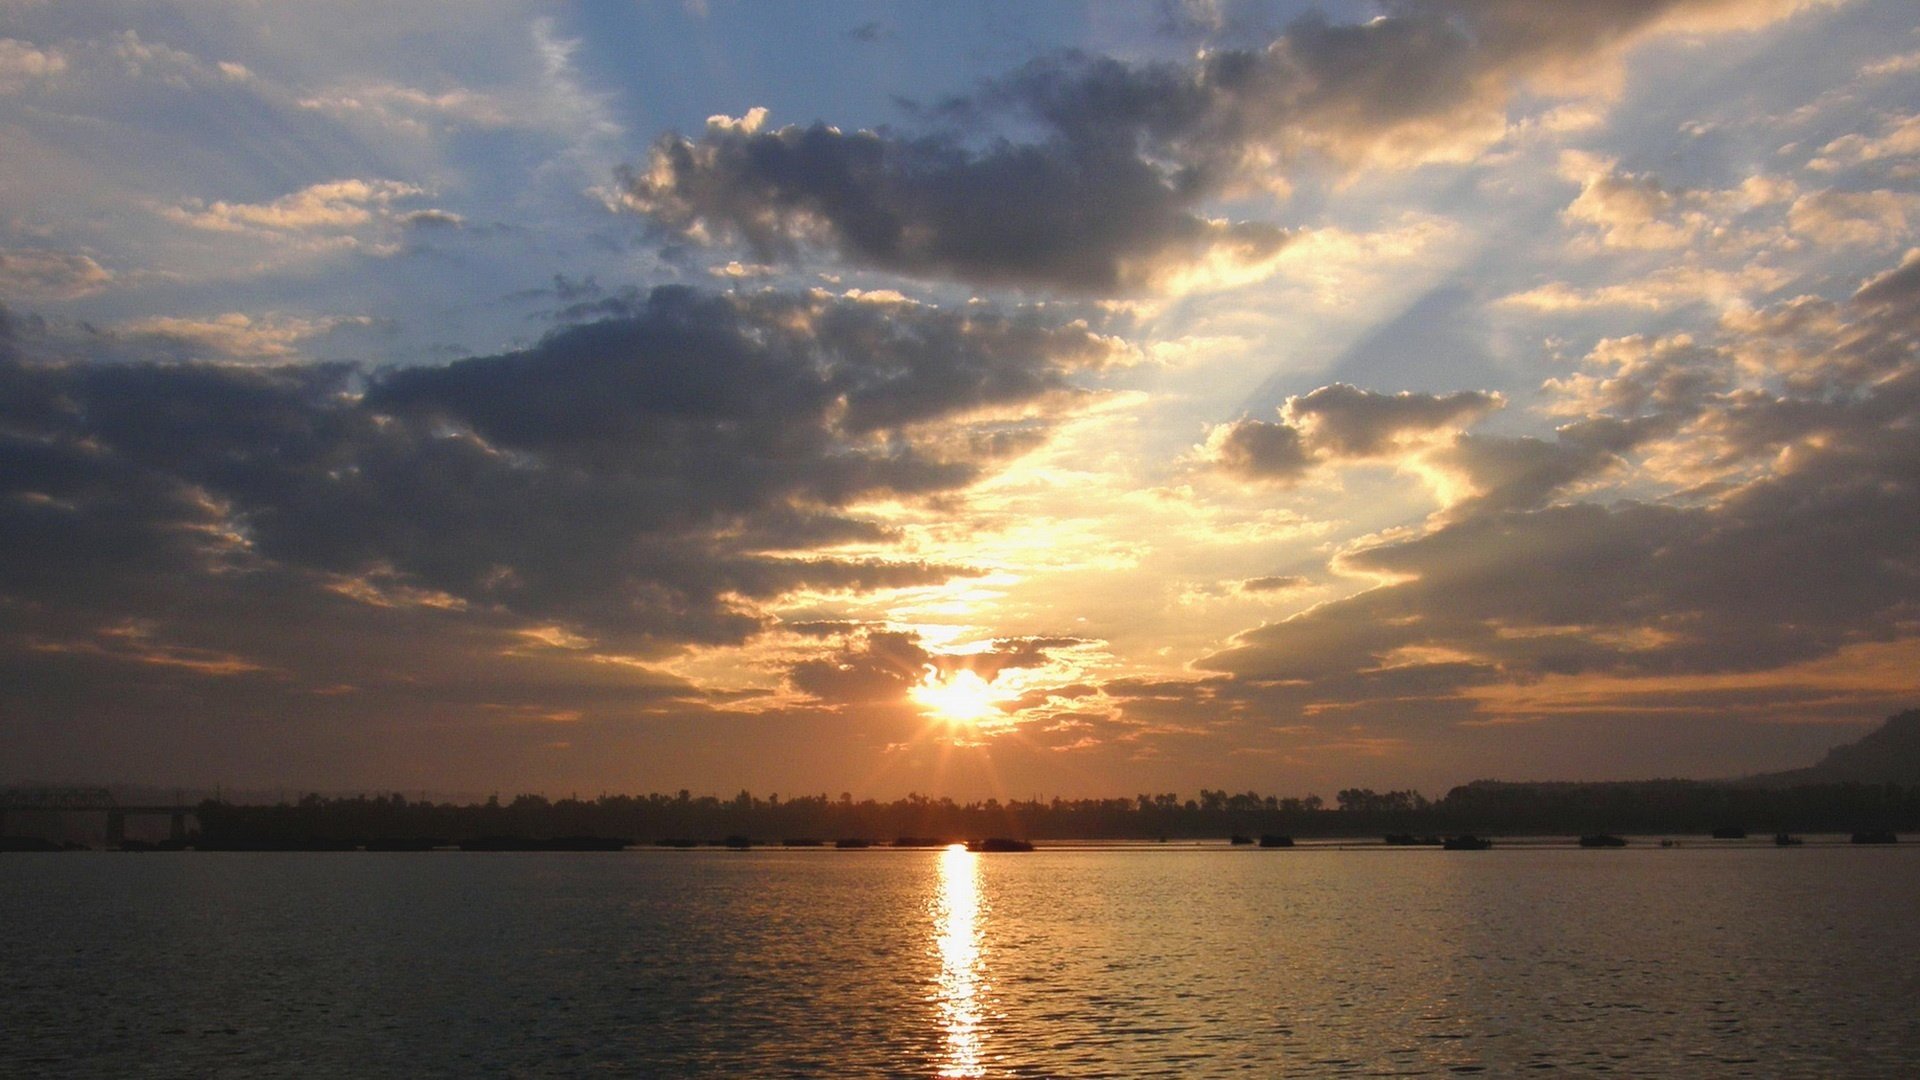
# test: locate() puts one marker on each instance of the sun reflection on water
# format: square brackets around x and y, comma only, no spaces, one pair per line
[957,918]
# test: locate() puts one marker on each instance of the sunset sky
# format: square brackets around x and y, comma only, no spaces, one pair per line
[973,399]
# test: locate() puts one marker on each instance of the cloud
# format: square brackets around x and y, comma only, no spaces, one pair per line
[1339,423]
[1259,450]
[1517,473]
[1801,548]
[873,33]
[878,666]
[1635,211]
[931,208]
[23,64]
[1274,583]
[39,274]
[1661,290]
[1865,218]
[352,214]
[649,481]
[1345,421]
[233,336]
[1899,137]
[1108,195]
[412,109]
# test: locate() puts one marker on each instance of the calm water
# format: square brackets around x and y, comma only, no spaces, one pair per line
[1122,963]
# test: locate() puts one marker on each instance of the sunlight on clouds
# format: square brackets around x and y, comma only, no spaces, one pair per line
[1660,290]
[238,336]
[1875,673]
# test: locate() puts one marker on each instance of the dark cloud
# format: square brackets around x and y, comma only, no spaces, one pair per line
[1275,583]
[1510,473]
[645,482]
[1805,544]
[1338,422]
[1348,422]
[1105,192]
[1086,218]
[1261,450]
[874,665]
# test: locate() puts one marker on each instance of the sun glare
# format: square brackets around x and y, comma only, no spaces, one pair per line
[960,698]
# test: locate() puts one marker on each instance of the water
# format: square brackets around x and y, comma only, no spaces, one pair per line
[1083,963]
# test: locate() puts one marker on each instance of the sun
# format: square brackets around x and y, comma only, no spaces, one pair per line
[961,697]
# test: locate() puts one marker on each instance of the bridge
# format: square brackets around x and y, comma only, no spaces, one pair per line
[88,800]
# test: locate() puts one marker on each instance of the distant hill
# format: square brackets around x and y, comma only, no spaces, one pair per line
[1888,755]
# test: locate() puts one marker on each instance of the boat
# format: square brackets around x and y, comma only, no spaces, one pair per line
[1468,842]
[1404,839]
[557,843]
[852,844]
[1602,840]
[1238,840]
[999,843]
[402,843]
[1270,840]
[1786,840]
[1730,832]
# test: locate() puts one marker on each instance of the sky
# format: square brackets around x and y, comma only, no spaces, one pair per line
[986,400]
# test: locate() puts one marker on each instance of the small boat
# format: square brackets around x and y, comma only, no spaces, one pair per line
[999,843]
[1468,842]
[402,843]
[1602,840]
[1270,840]
[1786,840]
[851,844]
[1404,839]
[1730,832]
[556,843]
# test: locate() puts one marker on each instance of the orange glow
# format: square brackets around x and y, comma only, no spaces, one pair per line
[961,698]
[957,918]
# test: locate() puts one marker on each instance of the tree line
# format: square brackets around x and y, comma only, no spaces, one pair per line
[1495,807]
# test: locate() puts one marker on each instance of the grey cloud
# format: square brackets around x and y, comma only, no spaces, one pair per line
[50,275]
[1261,450]
[1107,193]
[1893,288]
[1346,421]
[882,665]
[1809,547]
[1086,218]
[1512,473]
[1338,422]
[878,666]
[625,478]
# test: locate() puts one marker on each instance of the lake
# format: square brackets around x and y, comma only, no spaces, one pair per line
[1120,962]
